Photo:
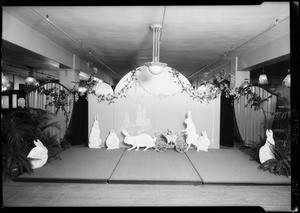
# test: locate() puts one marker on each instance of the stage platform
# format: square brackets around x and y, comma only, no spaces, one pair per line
[217,166]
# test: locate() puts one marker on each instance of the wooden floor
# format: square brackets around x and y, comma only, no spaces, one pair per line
[21,194]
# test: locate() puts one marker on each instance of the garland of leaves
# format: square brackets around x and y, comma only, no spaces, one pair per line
[91,83]
[58,97]
[216,85]
[210,90]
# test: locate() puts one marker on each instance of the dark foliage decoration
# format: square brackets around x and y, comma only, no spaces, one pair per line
[59,99]
[281,164]
[18,130]
[54,96]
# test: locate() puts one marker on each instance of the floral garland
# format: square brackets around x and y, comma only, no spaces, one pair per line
[207,91]
[219,83]
[59,98]
[91,83]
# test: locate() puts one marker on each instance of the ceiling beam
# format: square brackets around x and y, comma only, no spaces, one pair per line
[20,34]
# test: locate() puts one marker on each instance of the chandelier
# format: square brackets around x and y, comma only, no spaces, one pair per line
[156,67]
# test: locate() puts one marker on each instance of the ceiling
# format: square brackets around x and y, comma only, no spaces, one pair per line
[121,38]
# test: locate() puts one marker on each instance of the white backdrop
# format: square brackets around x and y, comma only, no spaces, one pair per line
[154,104]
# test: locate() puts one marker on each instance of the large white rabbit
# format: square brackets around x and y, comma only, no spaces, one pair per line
[112,141]
[190,131]
[94,139]
[142,140]
[265,152]
[203,142]
[39,155]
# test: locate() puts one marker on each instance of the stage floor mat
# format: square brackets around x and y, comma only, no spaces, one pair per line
[217,166]
[231,166]
[77,164]
[155,167]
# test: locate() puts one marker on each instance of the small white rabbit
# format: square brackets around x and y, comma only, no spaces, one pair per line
[39,155]
[142,140]
[190,131]
[203,142]
[112,141]
[265,152]
[94,139]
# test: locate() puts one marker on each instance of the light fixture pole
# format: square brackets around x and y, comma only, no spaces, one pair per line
[156,67]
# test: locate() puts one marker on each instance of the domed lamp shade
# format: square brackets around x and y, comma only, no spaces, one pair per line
[202,89]
[263,79]
[30,80]
[81,87]
[155,67]
[102,88]
[287,80]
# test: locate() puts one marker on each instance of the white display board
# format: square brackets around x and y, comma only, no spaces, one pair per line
[149,110]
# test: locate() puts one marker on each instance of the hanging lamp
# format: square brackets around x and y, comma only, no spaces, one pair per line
[4,82]
[156,67]
[30,80]
[246,83]
[102,88]
[82,87]
[263,79]
[287,80]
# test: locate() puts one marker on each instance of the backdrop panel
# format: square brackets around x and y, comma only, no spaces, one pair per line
[147,111]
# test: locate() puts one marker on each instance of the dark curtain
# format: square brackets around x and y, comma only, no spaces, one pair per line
[227,121]
[79,123]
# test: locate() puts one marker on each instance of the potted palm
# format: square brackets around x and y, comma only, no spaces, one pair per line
[281,164]
[18,130]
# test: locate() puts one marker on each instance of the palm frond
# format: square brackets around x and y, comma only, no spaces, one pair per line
[43,126]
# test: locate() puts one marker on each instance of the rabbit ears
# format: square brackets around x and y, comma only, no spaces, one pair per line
[38,143]
[269,133]
[204,134]
[125,132]
[189,114]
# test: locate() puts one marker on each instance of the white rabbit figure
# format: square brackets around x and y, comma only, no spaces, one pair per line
[112,141]
[190,131]
[265,152]
[94,139]
[39,154]
[203,142]
[142,140]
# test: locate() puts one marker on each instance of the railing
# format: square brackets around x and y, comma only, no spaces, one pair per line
[37,100]
[252,124]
